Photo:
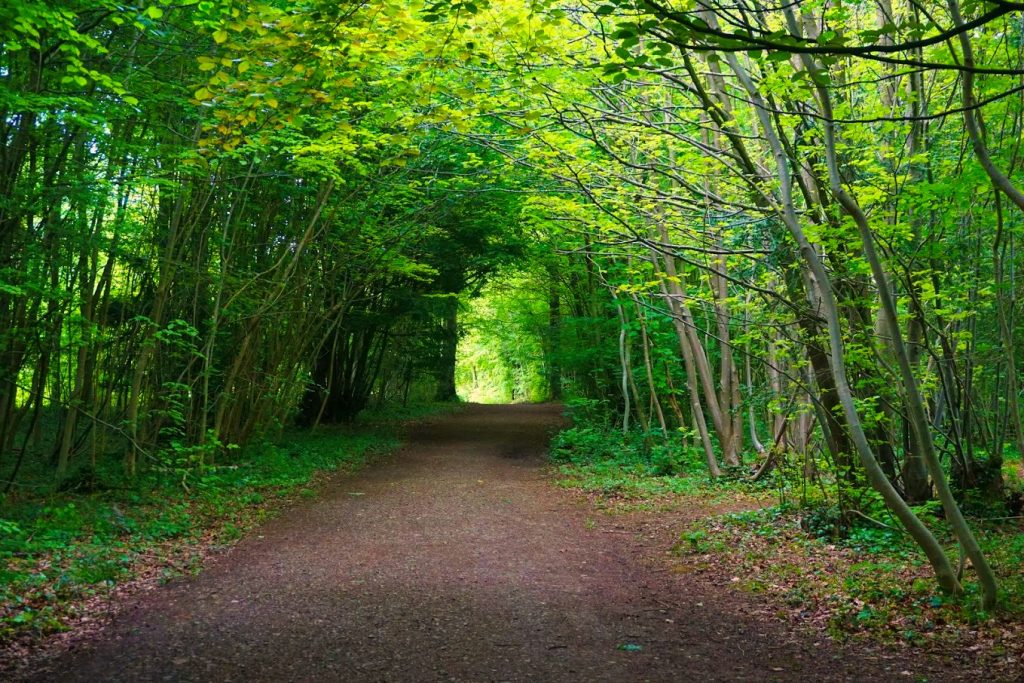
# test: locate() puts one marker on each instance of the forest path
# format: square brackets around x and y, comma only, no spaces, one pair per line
[457,560]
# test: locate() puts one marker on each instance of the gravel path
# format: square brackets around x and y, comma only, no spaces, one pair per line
[456,560]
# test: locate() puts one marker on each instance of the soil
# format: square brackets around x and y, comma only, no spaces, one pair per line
[457,559]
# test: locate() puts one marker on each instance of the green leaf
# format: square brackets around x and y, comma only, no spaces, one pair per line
[821,77]
[13,290]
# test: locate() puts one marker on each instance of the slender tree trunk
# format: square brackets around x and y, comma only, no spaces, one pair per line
[554,338]
[914,401]
[748,376]
[649,367]
[925,539]
[1006,335]
[449,347]
[697,412]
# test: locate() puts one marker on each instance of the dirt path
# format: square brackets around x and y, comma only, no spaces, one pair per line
[456,560]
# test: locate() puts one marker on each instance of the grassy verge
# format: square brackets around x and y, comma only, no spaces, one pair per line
[869,583]
[64,553]
[634,473]
[619,487]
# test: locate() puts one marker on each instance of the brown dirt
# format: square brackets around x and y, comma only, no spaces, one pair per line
[458,560]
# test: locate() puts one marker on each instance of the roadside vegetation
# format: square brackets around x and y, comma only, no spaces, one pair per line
[784,538]
[65,552]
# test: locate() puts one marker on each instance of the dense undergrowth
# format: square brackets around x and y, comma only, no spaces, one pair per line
[637,467]
[65,550]
[831,559]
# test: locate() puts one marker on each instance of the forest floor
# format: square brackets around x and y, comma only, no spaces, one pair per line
[459,559]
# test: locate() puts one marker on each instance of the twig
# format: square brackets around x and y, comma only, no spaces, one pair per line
[875,521]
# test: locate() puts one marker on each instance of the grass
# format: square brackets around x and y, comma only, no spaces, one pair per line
[62,551]
[629,481]
[633,472]
[621,488]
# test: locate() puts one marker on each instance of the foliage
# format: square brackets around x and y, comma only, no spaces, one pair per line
[502,343]
[635,468]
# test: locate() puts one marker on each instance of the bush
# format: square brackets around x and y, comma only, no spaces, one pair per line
[582,445]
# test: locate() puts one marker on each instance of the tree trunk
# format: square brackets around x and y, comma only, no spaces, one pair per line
[449,348]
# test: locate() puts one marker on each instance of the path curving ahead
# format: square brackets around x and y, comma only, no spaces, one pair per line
[454,560]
